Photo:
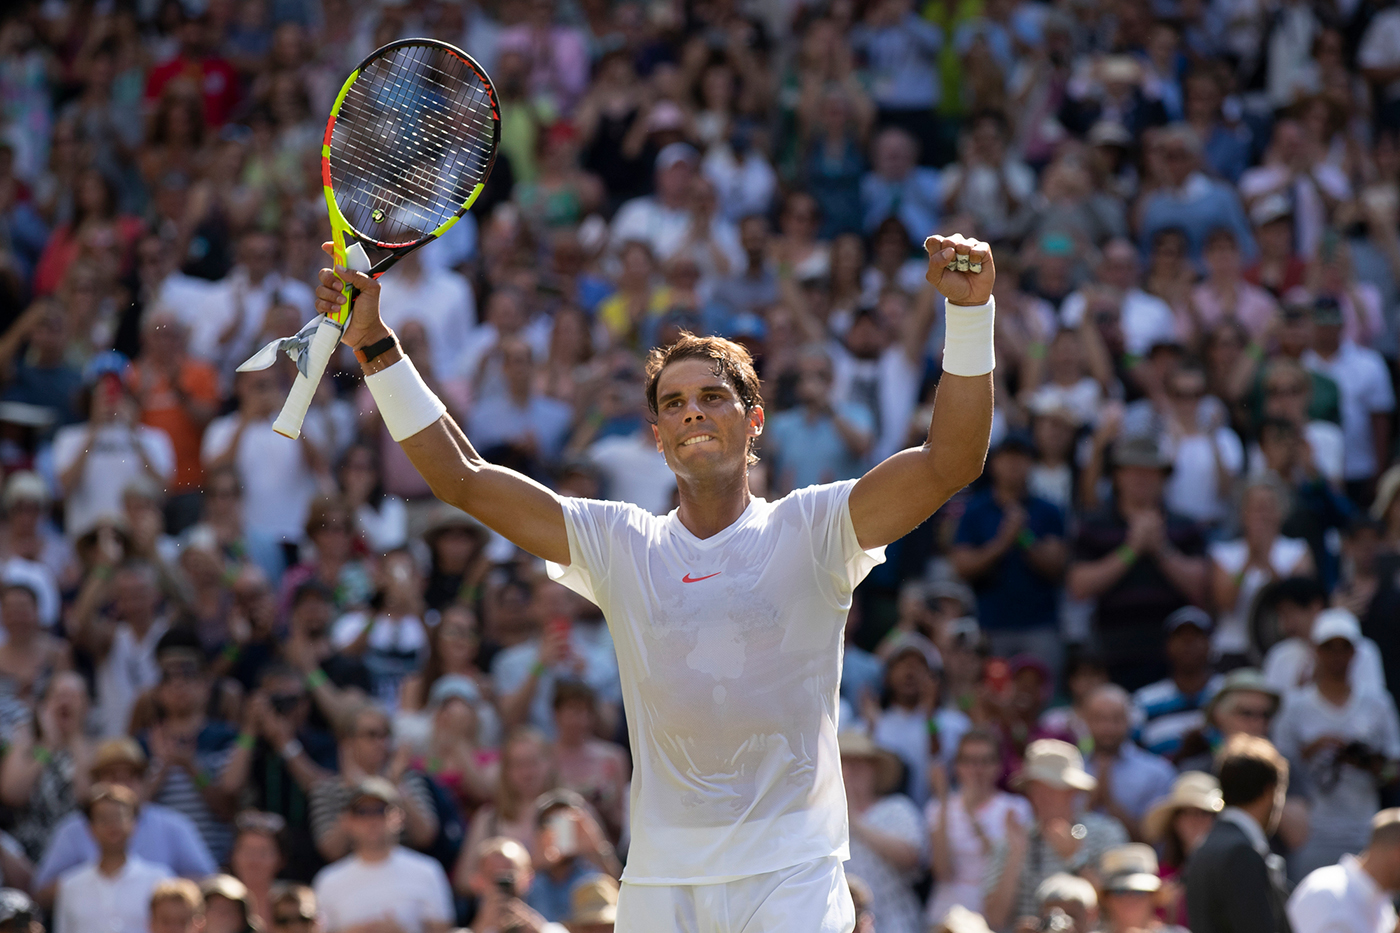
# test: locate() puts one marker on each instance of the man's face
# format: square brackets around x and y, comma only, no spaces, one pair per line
[701,426]
[134,596]
[1107,719]
[1286,396]
[1140,483]
[1011,469]
[1188,648]
[1334,657]
[112,824]
[371,823]
[1245,712]
[1050,802]
[170,916]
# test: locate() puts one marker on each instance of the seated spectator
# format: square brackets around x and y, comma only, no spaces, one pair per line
[178,906]
[112,892]
[1130,886]
[222,513]
[519,427]
[227,906]
[1348,740]
[821,439]
[898,187]
[1178,825]
[573,849]
[379,879]
[1140,562]
[1355,893]
[44,375]
[1243,567]
[367,750]
[1191,201]
[1010,547]
[527,771]
[457,543]
[1129,779]
[159,835]
[888,841]
[1287,389]
[909,719]
[294,908]
[1234,882]
[596,769]
[257,859]
[1289,663]
[593,908]
[44,776]
[1174,706]
[1226,294]
[1053,779]
[666,222]
[966,825]
[501,882]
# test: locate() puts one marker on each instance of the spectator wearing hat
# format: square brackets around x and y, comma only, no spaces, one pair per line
[822,439]
[1191,201]
[1140,562]
[1297,603]
[910,719]
[96,459]
[1367,397]
[1130,887]
[573,848]
[113,891]
[1347,739]
[1278,268]
[888,841]
[381,880]
[593,906]
[1129,779]
[1178,824]
[956,920]
[1010,547]
[1356,895]
[598,770]
[1174,706]
[293,908]
[457,543]
[1234,884]
[227,906]
[160,835]
[1064,903]
[1062,836]
[178,906]
[30,537]
[501,880]
[666,222]
[18,913]
[966,825]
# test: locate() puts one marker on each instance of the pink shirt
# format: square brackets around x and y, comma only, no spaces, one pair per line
[1254,307]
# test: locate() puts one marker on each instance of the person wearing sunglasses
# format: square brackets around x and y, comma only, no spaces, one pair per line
[381,880]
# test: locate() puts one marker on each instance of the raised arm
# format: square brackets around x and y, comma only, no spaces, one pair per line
[512,504]
[903,491]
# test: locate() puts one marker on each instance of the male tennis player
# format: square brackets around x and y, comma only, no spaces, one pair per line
[727,614]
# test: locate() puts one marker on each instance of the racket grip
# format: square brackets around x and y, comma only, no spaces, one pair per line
[323,344]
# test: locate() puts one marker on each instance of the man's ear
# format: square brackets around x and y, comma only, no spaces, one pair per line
[656,435]
[756,421]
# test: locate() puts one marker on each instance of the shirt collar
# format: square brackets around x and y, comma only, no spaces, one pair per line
[1249,826]
[1362,879]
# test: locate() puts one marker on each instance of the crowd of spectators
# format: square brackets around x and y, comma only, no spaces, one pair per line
[249,683]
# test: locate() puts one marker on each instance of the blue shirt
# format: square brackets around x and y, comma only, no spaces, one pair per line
[552,898]
[810,452]
[161,836]
[1011,595]
[1168,714]
[914,200]
[903,62]
[1139,778]
[1197,208]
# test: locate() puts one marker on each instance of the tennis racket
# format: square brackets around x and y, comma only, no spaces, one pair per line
[409,144]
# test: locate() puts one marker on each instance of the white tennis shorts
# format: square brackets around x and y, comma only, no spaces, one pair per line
[808,898]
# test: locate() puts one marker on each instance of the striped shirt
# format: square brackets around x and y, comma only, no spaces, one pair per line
[179,791]
[1167,714]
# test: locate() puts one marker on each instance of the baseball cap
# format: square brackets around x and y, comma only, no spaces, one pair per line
[1336,623]
[1189,615]
[913,641]
[1268,209]
[374,788]
[676,152]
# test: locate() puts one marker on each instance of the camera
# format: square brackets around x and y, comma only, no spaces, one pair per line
[283,703]
[1057,921]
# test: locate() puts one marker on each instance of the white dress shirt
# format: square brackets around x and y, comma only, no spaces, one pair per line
[91,902]
[1341,898]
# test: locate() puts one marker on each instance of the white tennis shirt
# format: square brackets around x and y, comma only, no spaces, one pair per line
[729,651]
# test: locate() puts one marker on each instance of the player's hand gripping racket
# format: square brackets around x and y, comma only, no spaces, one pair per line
[408,146]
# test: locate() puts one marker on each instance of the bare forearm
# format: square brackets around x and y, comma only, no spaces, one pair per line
[1188,574]
[1002,897]
[900,853]
[961,428]
[972,562]
[1094,578]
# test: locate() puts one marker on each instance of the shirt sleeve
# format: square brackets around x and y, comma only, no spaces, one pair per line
[595,530]
[440,908]
[191,857]
[63,852]
[835,546]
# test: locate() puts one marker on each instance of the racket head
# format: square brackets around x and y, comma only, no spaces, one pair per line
[410,142]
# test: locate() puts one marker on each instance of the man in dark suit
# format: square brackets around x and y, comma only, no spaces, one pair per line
[1234,884]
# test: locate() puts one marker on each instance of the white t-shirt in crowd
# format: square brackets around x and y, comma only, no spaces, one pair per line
[113,462]
[1364,384]
[1232,635]
[439,299]
[1288,665]
[729,650]
[887,386]
[1146,319]
[408,888]
[634,470]
[971,850]
[128,670]
[1380,46]
[90,902]
[1328,447]
[278,484]
[1193,489]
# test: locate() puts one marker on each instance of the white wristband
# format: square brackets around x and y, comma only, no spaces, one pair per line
[968,345]
[405,402]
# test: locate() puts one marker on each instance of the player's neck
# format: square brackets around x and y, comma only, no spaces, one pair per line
[707,508]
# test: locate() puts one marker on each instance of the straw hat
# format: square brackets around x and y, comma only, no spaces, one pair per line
[889,771]
[1243,680]
[594,901]
[120,751]
[1386,491]
[1054,763]
[1193,790]
[959,919]
[1130,869]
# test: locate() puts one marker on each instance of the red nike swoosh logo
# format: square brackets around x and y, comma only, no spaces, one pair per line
[688,579]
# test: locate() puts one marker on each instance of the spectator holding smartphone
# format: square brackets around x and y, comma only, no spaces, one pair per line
[501,880]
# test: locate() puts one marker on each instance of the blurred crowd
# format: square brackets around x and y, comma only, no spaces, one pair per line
[281,671]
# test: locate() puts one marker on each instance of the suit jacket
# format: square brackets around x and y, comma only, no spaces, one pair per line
[1230,888]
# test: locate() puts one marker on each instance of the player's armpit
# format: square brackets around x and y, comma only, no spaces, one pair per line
[510,503]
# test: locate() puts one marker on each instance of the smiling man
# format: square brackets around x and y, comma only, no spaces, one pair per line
[728,613]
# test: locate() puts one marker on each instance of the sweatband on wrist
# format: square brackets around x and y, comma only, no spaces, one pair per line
[1127,554]
[405,402]
[245,742]
[316,678]
[968,347]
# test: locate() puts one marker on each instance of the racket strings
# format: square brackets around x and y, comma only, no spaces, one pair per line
[410,143]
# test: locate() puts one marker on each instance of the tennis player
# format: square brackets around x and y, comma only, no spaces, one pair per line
[727,614]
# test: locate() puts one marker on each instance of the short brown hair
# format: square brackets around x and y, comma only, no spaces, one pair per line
[182,890]
[115,793]
[1248,768]
[731,361]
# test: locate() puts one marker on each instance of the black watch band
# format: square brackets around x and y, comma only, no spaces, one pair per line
[377,348]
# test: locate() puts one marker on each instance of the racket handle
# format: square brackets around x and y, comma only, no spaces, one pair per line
[323,344]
